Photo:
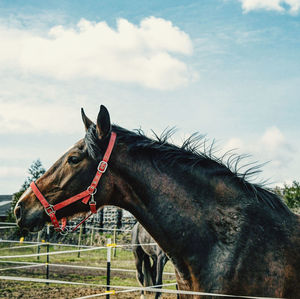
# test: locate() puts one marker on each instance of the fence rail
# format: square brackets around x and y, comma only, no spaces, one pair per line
[110,289]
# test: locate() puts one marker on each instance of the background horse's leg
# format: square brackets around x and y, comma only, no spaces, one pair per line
[154,269]
[160,263]
[147,271]
[139,259]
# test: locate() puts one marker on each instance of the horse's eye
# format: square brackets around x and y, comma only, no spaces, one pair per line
[73,160]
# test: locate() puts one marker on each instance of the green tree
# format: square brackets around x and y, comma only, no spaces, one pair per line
[291,195]
[35,170]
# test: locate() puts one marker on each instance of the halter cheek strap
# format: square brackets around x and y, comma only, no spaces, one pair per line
[86,196]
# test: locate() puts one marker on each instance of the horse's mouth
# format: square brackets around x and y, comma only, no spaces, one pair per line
[33,228]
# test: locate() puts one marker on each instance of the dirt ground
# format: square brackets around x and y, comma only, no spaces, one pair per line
[33,290]
[28,290]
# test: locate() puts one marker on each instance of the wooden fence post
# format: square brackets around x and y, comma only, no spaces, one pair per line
[39,247]
[79,240]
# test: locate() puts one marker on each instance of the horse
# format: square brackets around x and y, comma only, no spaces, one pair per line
[223,233]
[144,248]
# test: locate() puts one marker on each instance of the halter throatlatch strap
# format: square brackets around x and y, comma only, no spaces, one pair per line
[86,196]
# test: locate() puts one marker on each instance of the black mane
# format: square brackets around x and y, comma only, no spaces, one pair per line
[188,156]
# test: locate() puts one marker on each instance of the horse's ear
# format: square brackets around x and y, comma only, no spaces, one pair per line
[87,122]
[103,123]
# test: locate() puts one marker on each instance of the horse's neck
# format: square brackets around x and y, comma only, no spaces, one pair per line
[155,200]
[171,209]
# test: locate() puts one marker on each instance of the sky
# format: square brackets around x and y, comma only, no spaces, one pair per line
[229,69]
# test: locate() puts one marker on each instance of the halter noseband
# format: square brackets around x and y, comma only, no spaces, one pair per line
[86,196]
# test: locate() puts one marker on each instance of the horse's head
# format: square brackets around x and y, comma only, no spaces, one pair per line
[71,174]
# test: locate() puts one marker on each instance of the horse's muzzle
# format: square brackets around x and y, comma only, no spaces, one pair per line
[33,222]
[18,212]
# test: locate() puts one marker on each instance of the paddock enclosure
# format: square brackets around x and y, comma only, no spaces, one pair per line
[73,271]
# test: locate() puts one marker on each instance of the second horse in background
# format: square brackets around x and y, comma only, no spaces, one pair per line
[144,248]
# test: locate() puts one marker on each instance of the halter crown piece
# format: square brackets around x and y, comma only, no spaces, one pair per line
[86,196]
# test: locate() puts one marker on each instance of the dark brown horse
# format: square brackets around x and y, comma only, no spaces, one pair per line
[144,248]
[223,234]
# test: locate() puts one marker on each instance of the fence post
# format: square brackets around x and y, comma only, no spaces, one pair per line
[79,240]
[115,249]
[39,247]
[92,236]
[93,230]
[47,262]
[108,266]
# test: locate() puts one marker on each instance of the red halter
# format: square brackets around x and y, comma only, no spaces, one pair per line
[86,196]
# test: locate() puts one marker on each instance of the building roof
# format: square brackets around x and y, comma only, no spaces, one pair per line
[5,204]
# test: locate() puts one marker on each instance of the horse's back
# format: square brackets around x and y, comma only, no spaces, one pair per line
[134,235]
[146,242]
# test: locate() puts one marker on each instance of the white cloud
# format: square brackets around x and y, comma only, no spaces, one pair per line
[233,144]
[271,147]
[11,171]
[292,6]
[142,54]
[27,117]
[272,139]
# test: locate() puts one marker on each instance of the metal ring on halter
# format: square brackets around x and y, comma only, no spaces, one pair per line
[65,231]
[93,192]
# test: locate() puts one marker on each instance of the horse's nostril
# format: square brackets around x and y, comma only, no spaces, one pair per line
[18,212]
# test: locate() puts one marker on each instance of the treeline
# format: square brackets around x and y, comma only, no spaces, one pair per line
[35,170]
[291,195]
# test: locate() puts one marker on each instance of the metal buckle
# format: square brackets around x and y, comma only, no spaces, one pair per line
[92,200]
[91,190]
[49,210]
[102,166]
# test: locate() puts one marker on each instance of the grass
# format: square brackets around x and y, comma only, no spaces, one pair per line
[124,259]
